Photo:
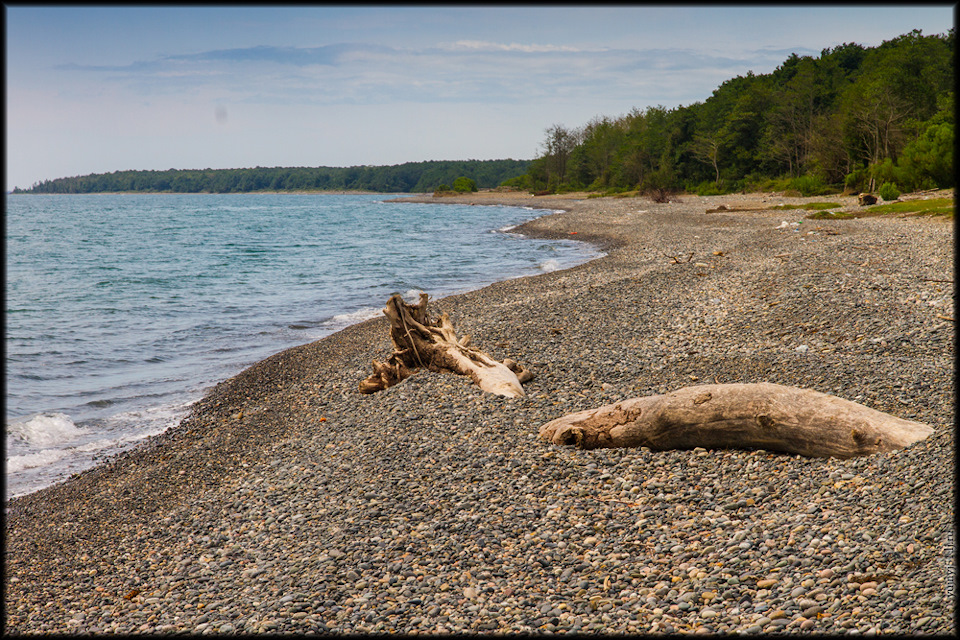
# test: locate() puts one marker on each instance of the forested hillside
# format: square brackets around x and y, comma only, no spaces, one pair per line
[415,177]
[853,118]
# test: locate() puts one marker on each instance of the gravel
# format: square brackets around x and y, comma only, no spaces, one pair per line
[288,503]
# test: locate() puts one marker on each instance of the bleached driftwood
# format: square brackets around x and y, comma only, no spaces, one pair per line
[420,342]
[749,416]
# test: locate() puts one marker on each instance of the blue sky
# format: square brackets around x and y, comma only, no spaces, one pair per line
[99,89]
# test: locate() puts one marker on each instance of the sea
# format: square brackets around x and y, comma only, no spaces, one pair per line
[122,310]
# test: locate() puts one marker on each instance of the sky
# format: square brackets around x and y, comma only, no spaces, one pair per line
[100,89]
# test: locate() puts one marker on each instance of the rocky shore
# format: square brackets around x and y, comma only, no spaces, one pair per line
[288,502]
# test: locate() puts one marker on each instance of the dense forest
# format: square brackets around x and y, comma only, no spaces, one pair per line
[411,177]
[853,118]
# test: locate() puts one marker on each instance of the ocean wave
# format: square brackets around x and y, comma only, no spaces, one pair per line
[43,458]
[346,319]
[299,326]
[45,429]
[158,417]
[78,457]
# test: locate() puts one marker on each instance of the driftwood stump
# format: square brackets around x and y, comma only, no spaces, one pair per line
[748,416]
[419,342]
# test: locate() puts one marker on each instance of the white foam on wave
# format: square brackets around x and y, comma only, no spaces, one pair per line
[549,265]
[45,429]
[50,446]
[539,209]
[44,458]
[160,417]
[412,296]
[108,444]
[346,319]
[48,457]
[342,320]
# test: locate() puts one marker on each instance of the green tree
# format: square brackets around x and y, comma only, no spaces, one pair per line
[559,142]
[928,161]
[706,148]
[600,141]
[464,184]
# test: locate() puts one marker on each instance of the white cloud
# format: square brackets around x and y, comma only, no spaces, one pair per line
[468,71]
[480,45]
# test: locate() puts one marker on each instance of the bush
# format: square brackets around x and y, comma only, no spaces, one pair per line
[888,191]
[709,188]
[464,184]
[519,182]
[612,191]
[663,181]
[928,161]
[856,181]
[809,186]
[760,184]
[884,171]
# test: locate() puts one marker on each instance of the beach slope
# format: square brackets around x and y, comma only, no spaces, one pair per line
[289,502]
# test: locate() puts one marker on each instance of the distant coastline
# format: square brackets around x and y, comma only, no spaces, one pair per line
[410,177]
[331,192]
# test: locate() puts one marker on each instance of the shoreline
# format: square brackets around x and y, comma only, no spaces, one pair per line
[28,480]
[215,193]
[286,471]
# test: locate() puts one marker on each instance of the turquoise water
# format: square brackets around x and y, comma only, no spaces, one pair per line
[122,309]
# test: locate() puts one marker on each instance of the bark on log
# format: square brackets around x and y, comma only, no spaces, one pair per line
[420,342]
[748,416]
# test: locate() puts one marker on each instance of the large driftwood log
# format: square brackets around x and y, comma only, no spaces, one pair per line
[419,342]
[749,416]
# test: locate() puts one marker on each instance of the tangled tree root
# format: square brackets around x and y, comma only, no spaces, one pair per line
[419,342]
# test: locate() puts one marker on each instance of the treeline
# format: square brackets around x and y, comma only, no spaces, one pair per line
[852,118]
[411,177]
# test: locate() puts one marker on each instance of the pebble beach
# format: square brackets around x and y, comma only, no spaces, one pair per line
[287,502]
